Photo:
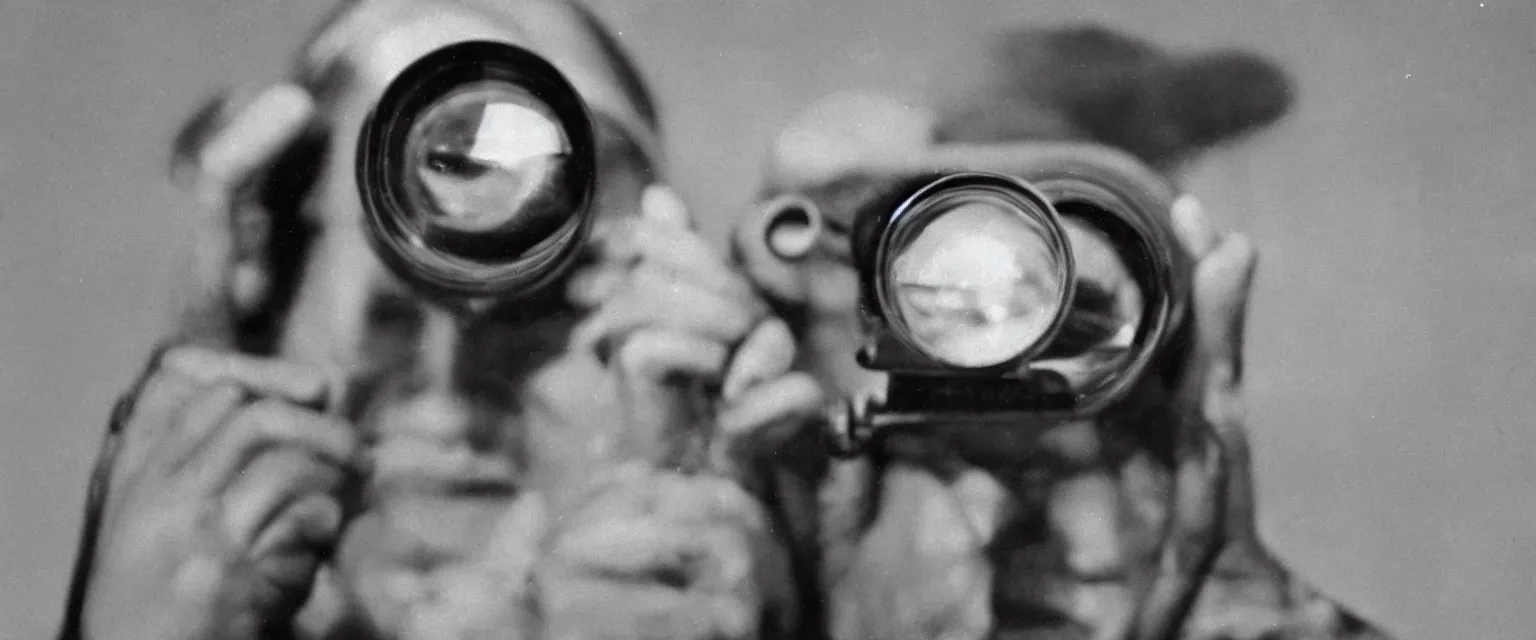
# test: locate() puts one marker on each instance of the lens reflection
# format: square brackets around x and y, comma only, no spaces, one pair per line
[482,154]
[979,284]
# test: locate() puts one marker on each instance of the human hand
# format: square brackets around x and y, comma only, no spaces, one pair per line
[1218,578]
[673,315]
[217,492]
[222,500]
[656,554]
[681,329]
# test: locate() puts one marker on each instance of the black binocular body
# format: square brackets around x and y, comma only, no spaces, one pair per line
[998,285]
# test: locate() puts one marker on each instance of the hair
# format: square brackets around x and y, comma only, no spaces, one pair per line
[324,73]
[1089,82]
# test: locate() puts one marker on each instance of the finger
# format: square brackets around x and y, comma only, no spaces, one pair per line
[845,504]
[518,535]
[266,424]
[1223,282]
[251,140]
[592,286]
[766,353]
[1193,539]
[577,609]
[687,255]
[787,400]
[297,383]
[205,412]
[663,204]
[156,408]
[206,122]
[659,300]
[1192,226]
[634,548]
[689,552]
[653,367]
[1084,512]
[311,521]
[270,482]
[706,500]
[984,500]
[724,562]
[659,356]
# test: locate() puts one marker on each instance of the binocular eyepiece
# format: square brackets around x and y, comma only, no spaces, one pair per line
[1042,292]
[477,168]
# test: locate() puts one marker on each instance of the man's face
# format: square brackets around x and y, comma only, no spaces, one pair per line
[451,405]
[1058,510]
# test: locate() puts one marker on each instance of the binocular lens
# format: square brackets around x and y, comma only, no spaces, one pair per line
[476,170]
[979,279]
[482,155]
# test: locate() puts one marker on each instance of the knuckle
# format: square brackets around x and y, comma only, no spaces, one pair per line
[266,418]
[637,356]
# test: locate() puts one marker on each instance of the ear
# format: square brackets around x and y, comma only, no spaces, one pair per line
[247,159]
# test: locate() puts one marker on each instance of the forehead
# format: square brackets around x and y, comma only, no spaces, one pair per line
[377,39]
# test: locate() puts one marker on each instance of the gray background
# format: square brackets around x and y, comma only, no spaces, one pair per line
[1391,363]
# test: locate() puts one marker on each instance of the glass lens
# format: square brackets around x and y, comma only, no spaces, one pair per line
[482,155]
[979,284]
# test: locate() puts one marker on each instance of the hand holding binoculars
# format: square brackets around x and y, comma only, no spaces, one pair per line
[1006,285]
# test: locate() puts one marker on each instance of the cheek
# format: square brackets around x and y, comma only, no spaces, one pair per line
[325,324]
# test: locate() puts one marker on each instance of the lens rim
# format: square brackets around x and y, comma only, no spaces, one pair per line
[935,199]
[534,256]
[1162,270]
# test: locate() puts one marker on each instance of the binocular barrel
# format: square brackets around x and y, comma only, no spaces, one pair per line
[997,298]
[476,170]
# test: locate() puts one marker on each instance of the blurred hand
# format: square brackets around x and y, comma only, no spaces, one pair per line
[222,495]
[1218,579]
[676,319]
[670,545]
[655,554]
[222,500]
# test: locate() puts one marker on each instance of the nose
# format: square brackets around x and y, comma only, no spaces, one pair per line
[441,395]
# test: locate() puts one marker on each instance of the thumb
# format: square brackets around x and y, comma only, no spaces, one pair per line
[1223,284]
[1213,500]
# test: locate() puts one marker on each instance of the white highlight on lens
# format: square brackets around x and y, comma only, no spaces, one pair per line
[978,285]
[511,133]
[484,152]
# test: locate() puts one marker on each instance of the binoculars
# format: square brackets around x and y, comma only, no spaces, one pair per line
[477,168]
[997,285]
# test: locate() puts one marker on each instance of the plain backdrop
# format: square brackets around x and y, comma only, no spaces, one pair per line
[1391,380]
